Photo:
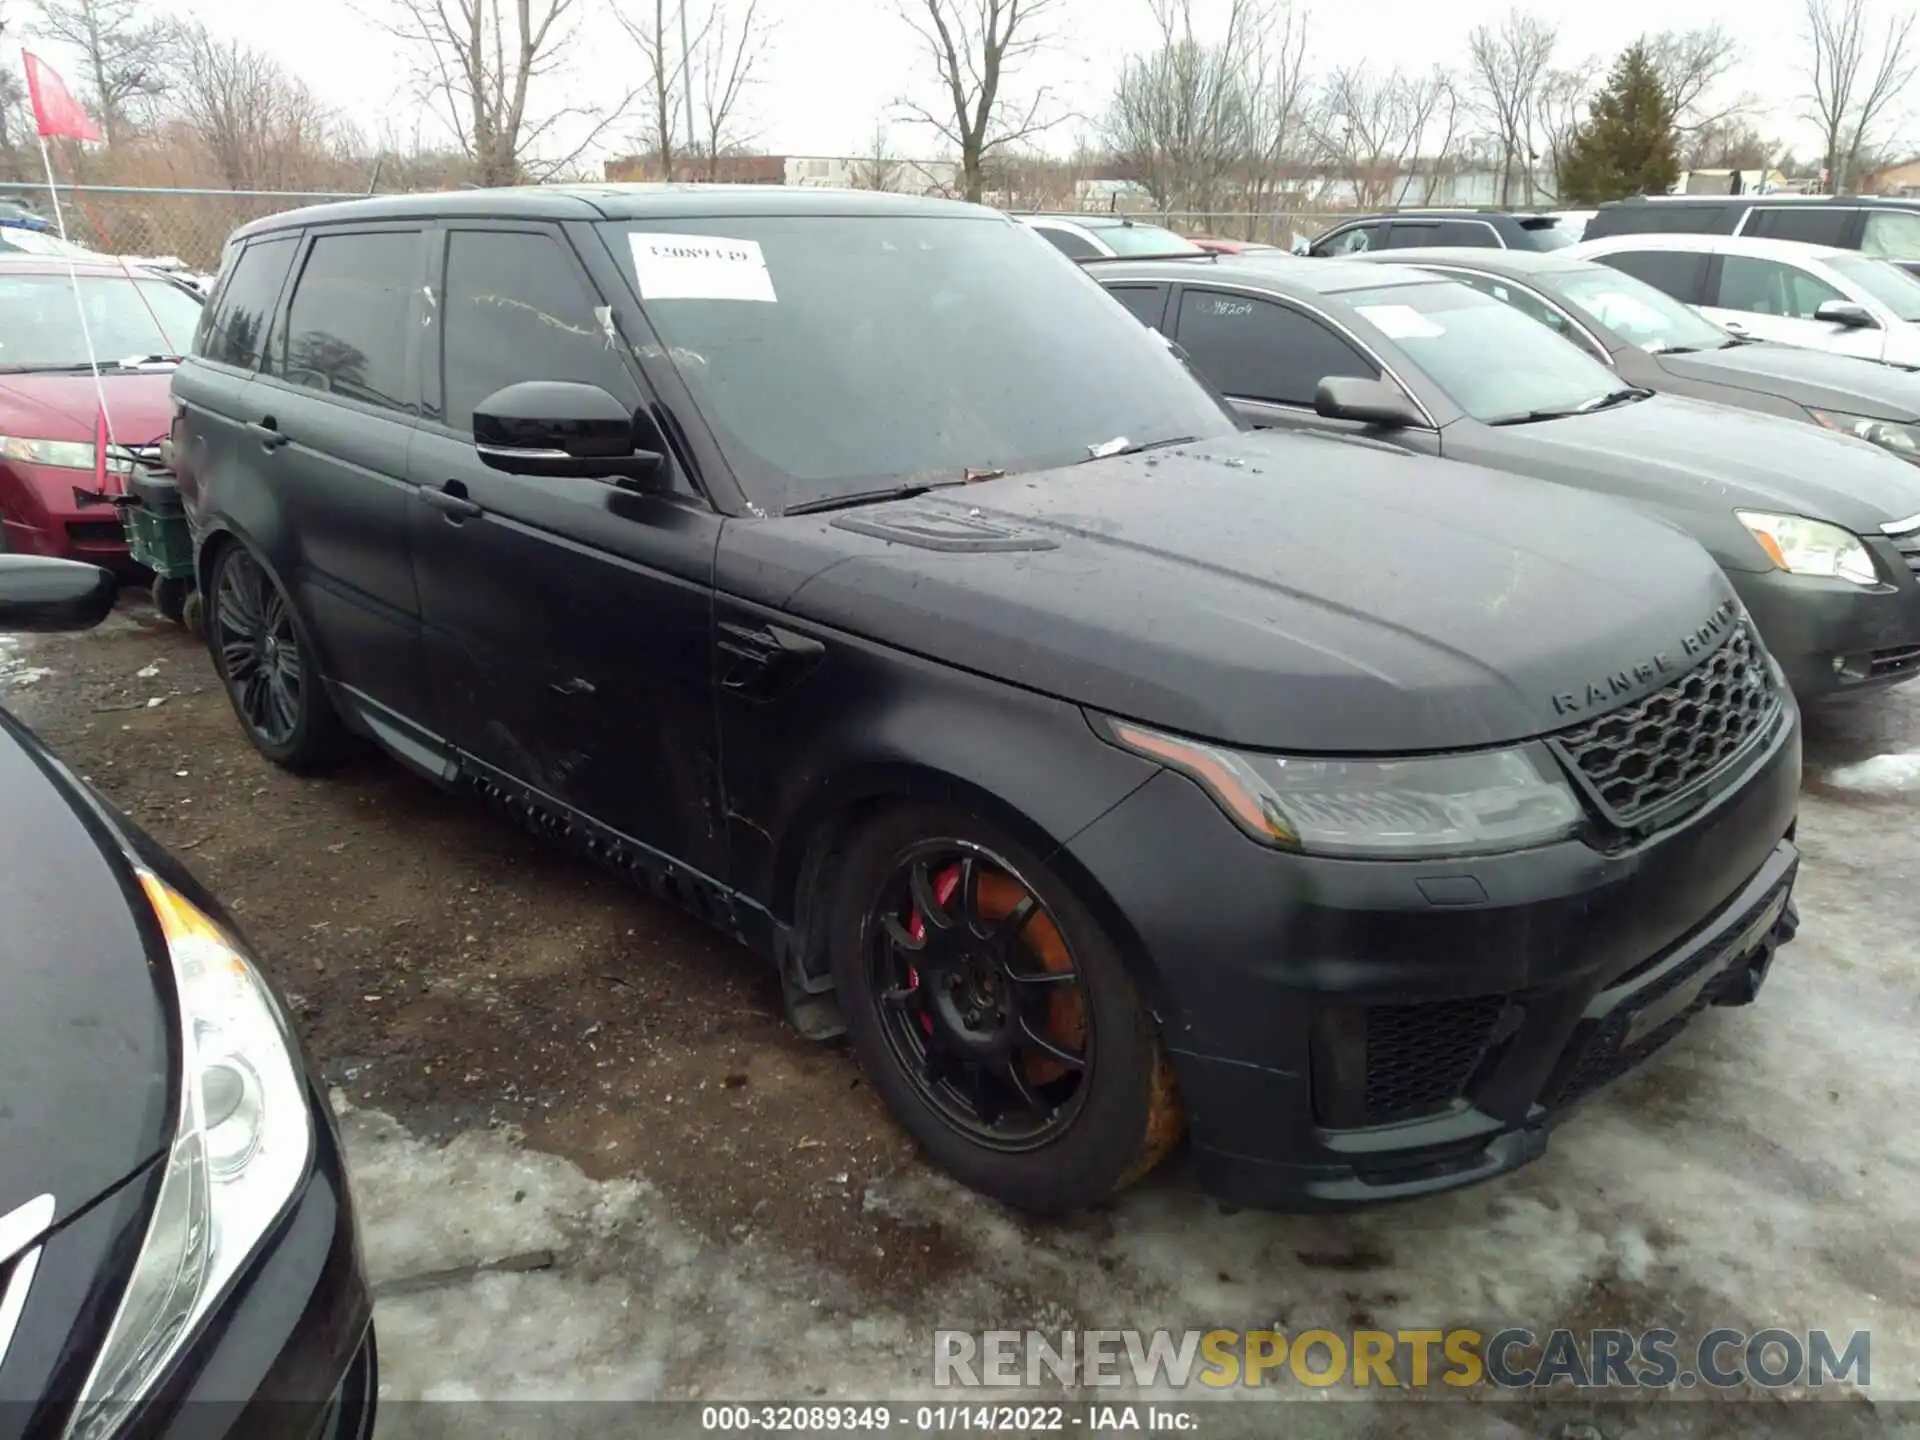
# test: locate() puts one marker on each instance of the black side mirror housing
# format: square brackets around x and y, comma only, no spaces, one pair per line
[43,596]
[1848,313]
[1369,402]
[562,428]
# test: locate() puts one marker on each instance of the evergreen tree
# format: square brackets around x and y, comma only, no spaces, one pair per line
[1628,146]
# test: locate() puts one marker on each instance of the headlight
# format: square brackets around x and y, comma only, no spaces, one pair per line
[1903,440]
[239,1150]
[66,454]
[1423,806]
[1811,547]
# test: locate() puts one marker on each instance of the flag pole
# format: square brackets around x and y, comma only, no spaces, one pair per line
[86,332]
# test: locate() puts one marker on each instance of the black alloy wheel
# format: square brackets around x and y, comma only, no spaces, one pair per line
[262,657]
[992,1014]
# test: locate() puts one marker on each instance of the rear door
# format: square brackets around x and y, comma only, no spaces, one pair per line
[569,621]
[1269,358]
[334,411]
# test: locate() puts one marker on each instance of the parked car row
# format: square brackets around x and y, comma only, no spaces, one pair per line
[1326,711]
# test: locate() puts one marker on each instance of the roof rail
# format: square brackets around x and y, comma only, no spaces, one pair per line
[1162,255]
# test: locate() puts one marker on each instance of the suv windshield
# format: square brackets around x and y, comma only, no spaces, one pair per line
[1893,287]
[1638,313]
[834,355]
[128,318]
[1145,240]
[1491,360]
[1548,234]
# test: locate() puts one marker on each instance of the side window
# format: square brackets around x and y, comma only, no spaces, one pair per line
[1892,235]
[232,329]
[1810,224]
[1466,232]
[1069,243]
[1679,273]
[1351,242]
[1147,302]
[1767,287]
[1259,350]
[348,331]
[516,309]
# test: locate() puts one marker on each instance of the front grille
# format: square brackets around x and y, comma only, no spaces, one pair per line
[1639,757]
[1606,1056]
[1420,1057]
[96,532]
[1909,548]
[1901,660]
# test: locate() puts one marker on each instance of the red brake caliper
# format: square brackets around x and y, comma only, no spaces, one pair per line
[944,884]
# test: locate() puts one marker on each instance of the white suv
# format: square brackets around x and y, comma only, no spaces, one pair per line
[1813,296]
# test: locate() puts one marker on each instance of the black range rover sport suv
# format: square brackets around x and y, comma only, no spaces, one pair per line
[853,570]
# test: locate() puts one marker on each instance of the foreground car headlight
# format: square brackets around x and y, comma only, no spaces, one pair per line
[240,1148]
[1397,809]
[1903,440]
[1811,547]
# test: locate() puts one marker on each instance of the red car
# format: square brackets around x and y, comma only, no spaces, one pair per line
[141,323]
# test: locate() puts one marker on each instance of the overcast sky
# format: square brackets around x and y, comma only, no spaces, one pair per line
[834,67]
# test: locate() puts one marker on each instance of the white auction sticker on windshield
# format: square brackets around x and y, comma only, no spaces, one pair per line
[699,267]
[1401,322]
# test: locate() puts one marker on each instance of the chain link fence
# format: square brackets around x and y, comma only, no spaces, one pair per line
[192,225]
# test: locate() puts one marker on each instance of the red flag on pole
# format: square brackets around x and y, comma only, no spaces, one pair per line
[57,114]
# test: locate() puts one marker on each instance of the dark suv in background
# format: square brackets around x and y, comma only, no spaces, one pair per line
[850,568]
[1406,229]
[1886,228]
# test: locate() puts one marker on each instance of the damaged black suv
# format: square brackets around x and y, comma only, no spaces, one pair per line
[850,568]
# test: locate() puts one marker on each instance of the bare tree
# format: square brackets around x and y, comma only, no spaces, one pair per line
[728,56]
[481,62]
[975,47]
[124,53]
[15,124]
[665,36]
[260,127]
[1373,127]
[1859,69]
[1559,108]
[878,169]
[1732,144]
[1281,109]
[1182,118]
[1692,64]
[1507,64]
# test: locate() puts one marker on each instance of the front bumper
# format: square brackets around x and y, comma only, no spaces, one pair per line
[40,516]
[1345,1032]
[1832,636]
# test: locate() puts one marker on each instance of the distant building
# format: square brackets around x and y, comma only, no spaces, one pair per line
[1901,179]
[1731,182]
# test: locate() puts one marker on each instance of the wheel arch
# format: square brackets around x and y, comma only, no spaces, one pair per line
[222,534]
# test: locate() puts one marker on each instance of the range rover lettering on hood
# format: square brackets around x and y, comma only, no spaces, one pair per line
[1625,684]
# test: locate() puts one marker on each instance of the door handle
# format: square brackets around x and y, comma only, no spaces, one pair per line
[267,433]
[454,506]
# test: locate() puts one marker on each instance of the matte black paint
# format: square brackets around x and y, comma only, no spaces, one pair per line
[1688,462]
[706,696]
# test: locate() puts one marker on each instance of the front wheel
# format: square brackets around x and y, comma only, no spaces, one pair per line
[994,1016]
[267,666]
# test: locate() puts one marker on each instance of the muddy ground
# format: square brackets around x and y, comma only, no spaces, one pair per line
[593,1162]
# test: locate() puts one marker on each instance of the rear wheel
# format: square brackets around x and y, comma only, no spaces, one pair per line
[994,1016]
[267,666]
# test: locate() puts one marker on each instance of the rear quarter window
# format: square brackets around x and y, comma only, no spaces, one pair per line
[1679,273]
[1809,224]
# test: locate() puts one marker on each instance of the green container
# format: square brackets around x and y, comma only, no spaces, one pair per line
[156,525]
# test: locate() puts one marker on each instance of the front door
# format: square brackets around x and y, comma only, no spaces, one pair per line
[568,621]
[1771,300]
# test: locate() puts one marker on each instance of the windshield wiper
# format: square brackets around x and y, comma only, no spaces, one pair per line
[1585,407]
[874,497]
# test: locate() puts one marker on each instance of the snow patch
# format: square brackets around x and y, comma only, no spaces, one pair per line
[1884,774]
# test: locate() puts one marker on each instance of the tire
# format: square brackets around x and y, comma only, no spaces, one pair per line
[193,615]
[275,688]
[170,597]
[1063,1138]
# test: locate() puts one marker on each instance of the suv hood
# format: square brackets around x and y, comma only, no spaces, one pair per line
[1807,377]
[85,1030]
[1267,590]
[1690,455]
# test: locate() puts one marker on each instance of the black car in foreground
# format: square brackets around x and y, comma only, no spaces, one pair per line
[1819,531]
[850,568]
[1651,339]
[178,1251]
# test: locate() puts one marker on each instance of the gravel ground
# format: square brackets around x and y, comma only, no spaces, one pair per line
[593,1164]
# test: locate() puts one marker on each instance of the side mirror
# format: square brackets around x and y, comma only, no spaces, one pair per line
[565,429]
[1371,402]
[42,596]
[1846,313]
